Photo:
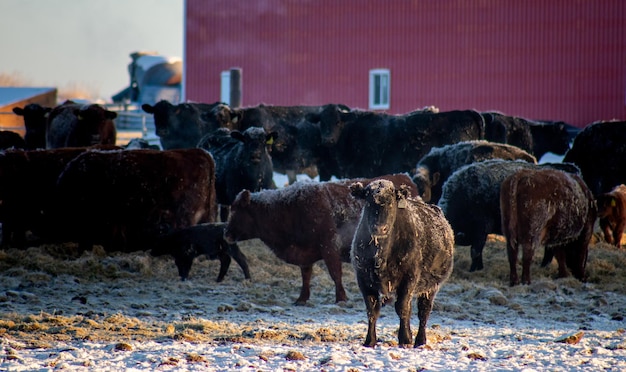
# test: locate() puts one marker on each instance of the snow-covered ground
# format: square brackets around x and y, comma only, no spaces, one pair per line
[97,311]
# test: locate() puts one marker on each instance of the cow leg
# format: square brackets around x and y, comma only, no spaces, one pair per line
[224,265]
[548,255]
[424,307]
[305,291]
[605,226]
[512,252]
[528,251]
[403,309]
[240,258]
[224,212]
[561,260]
[477,252]
[372,304]
[183,261]
[617,233]
[333,263]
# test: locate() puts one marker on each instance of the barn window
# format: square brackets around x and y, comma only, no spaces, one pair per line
[379,89]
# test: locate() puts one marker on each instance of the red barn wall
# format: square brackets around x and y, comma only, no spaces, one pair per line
[551,60]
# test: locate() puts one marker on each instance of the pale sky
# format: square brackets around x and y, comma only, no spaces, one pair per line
[85,43]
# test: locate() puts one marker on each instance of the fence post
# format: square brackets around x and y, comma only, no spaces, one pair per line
[235,87]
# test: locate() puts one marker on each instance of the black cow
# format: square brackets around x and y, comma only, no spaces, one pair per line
[10,139]
[74,125]
[296,149]
[401,247]
[180,126]
[369,144]
[471,201]
[535,137]
[551,208]
[551,136]
[121,199]
[434,169]
[599,150]
[35,118]
[241,162]
[207,238]
[302,224]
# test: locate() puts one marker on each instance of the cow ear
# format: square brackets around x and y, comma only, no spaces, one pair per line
[245,197]
[110,114]
[357,190]
[18,111]
[236,116]
[436,177]
[237,135]
[148,108]
[403,192]
[343,108]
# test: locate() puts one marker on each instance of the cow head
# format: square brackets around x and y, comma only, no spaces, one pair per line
[162,112]
[223,116]
[178,126]
[241,218]
[425,181]
[35,117]
[94,122]
[382,201]
[331,120]
[256,143]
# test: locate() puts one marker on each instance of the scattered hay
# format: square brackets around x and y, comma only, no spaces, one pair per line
[83,313]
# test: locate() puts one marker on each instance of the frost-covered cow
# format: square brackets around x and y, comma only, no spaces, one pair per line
[302,224]
[550,208]
[434,169]
[471,201]
[402,247]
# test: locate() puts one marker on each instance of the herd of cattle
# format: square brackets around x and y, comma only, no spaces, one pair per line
[409,187]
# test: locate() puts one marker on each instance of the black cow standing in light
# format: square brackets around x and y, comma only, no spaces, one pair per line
[402,247]
[242,162]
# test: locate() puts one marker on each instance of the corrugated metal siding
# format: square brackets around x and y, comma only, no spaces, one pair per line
[557,60]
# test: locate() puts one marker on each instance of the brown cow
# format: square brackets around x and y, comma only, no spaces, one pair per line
[612,214]
[304,223]
[27,183]
[123,199]
[551,208]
